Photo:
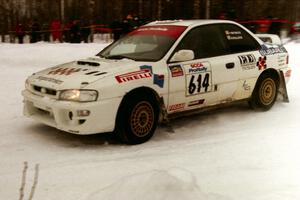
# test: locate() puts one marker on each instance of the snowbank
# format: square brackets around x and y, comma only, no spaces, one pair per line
[233,153]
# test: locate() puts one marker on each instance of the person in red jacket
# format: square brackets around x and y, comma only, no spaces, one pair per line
[20,33]
[56,30]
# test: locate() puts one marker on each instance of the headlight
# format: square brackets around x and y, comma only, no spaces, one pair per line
[79,95]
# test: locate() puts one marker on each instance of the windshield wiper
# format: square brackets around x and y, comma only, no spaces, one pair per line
[118,57]
[100,55]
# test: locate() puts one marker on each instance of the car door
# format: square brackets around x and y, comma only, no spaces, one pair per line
[245,51]
[207,79]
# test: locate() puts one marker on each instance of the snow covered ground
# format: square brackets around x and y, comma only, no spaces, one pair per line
[229,154]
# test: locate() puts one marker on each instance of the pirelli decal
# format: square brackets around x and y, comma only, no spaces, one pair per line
[141,74]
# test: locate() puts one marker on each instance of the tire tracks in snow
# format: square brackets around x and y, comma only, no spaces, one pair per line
[23,182]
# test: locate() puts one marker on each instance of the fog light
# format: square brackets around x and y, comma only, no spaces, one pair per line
[83,113]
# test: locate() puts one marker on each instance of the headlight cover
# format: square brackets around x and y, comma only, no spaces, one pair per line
[78,95]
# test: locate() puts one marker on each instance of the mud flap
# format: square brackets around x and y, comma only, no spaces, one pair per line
[282,88]
[163,117]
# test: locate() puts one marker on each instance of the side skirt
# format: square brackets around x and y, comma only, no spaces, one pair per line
[205,109]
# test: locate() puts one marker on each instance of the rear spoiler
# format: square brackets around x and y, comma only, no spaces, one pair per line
[270,38]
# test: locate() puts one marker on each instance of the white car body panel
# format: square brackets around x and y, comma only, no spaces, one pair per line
[113,79]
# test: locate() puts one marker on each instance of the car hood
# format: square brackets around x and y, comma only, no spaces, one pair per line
[79,74]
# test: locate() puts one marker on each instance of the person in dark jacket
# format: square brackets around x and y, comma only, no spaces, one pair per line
[35,32]
[127,25]
[75,32]
[275,26]
[116,27]
[45,33]
[85,33]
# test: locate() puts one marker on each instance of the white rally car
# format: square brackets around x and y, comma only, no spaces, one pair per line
[161,70]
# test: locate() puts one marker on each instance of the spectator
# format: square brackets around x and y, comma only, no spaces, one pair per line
[85,33]
[127,25]
[56,30]
[263,25]
[66,32]
[75,32]
[116,27]
[45,32]
[275,26]
[35,32]
[137,22]
[20,33]
[222,16]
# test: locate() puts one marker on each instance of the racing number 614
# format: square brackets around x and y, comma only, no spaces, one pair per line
[199,83]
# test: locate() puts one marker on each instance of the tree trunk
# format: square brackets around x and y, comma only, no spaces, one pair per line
[141,8]
[196,10]
[159,9]
[207,9]
[62,10]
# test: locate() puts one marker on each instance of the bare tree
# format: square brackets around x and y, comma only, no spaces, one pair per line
[159,9]
[207,9]
[140,8]
[104,12]
[196,9]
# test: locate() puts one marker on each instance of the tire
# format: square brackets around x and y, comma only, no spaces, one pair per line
[137,119]
[265,92]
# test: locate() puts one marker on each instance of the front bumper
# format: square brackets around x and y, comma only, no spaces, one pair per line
[63,115]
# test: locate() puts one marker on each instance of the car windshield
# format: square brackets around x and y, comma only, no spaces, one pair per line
[147,43]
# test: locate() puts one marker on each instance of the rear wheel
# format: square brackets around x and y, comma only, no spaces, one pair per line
[137,119]
[265,92]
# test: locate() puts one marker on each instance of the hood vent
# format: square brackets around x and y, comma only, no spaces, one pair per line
[94,64]
[95,73]
[100,73]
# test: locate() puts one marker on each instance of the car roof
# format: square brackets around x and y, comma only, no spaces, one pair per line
[195,22]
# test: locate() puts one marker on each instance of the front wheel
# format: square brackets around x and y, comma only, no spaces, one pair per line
[265,92]
[137,119]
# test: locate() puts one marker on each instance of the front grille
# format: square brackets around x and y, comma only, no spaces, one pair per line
[44,112]
[44,90]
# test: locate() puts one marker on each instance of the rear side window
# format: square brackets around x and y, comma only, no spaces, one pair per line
[206,41]
[238,39]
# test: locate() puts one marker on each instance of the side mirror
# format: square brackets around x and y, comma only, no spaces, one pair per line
[183,55]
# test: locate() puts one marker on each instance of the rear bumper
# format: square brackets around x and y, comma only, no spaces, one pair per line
[64,115]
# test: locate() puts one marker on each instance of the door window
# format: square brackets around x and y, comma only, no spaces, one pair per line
[238,39]
[206,41]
